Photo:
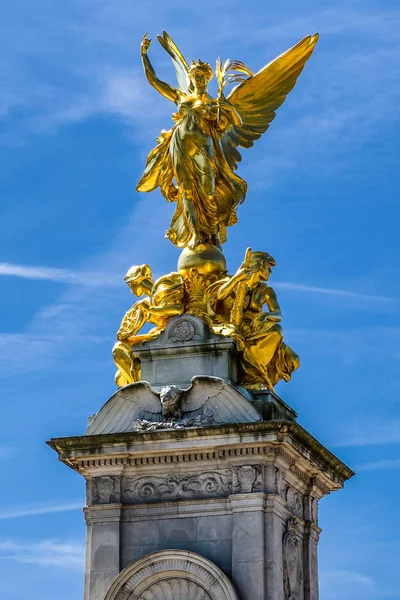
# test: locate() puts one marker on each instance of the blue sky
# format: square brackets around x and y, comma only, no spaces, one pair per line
[77,119]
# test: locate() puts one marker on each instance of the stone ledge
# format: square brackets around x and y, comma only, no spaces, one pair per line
[118,451]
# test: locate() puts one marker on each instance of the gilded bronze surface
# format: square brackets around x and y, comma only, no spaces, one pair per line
[194,166]
[232,306]
[163,300]
[265,358]
[194,162]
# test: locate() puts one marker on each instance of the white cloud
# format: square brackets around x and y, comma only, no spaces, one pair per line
[16,513]
[300,287]
[92,63]
[339,577]
[373,431]
[379,465]
[51,274]
[105,279]
[67,555]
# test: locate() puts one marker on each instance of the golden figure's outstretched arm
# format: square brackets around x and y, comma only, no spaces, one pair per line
[162,87]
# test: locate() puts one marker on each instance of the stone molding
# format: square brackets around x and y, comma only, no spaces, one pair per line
[298,453]
[168,570]
[117,463]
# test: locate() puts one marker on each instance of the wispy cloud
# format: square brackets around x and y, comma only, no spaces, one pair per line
[300,287]
[67,555]
[16,513]
[369,432]
[379,465]
[55,274]
[59,275]
[339,577]
[80,81]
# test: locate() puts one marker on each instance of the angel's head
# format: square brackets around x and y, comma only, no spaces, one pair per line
[135,278]
[261,264]
[200,74]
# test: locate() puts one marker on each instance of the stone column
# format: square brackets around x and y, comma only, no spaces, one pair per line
[248,545]
[103,549]
[274,521]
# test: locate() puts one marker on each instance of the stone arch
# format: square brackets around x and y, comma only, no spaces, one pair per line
[184,575]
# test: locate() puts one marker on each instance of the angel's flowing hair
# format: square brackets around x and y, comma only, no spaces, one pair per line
[201,66]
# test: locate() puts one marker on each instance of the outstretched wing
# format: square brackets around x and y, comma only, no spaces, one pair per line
[257,98]
[119,413]
[226,402]
[180,64]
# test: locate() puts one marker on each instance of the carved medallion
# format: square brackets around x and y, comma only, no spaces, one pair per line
[183,331]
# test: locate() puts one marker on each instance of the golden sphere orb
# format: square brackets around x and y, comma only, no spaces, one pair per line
[205,258]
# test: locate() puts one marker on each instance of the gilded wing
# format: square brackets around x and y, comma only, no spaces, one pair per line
[257,98]
[180,63]
[227,403]
[119,413]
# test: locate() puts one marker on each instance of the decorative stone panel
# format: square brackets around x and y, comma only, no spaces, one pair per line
[187,486]
[292,563]
[105,490]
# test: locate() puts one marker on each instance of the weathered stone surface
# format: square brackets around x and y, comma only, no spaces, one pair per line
[186,349]
[243,496]
[207,401]
[173,574]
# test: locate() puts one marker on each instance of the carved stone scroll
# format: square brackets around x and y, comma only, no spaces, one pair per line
[177,487]
[187,486]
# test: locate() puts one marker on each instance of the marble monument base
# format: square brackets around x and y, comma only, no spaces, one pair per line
[221,512]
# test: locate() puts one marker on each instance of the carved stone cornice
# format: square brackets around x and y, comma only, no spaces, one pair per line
[203,448]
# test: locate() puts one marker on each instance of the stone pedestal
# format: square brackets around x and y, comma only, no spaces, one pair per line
[234,505]
[217,502]
[187,348]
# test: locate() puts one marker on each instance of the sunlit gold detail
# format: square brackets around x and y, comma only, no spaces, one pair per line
[230,305]
[205,258]
[163,300]
[194,163]
[265,359]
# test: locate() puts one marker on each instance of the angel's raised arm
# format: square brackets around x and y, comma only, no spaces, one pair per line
[161,86]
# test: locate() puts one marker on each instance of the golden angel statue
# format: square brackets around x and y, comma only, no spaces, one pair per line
[194,163]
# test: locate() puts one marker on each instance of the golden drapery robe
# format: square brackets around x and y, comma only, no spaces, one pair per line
[189,166]
[265,358]
[167,291]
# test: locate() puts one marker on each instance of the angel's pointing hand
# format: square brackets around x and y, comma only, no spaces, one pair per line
[144,46]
